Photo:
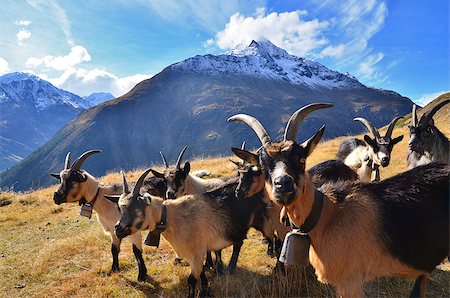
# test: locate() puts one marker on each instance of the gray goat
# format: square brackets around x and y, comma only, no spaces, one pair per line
[426,142]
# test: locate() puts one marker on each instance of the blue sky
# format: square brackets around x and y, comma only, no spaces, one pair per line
[400,45]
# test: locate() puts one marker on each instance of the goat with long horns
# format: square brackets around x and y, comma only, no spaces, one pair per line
[358,231]
[79,186]
[365,157]
[426,142]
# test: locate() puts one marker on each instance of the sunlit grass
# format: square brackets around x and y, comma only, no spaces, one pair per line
[49,251]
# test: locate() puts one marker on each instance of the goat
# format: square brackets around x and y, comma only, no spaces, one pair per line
[192,224]
[79,186]
[367,156]
[180,182]
[332,170]
[251,182]
[426,142]
[358,231]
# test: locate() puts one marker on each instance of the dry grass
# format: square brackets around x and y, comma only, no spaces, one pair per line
[48,250]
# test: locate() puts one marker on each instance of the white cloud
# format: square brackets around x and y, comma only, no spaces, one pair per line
[287,30]
[22,35]
[77,55]
[208,14]
[428,97]
[340,30]
[54,10]
[84,82]
[4,68]
[333,51]
[22,23]
[367,67]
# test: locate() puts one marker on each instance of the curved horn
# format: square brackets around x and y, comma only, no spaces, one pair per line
[296,119]
[391,126]
[77,164]
[125,184]
[370,127]
[414,115]
[243,145]
[180,157]
[255,125]
[139,182]
[67,162]
[164,159]
[427,116]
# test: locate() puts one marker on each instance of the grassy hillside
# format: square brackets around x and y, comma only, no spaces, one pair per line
[48,250]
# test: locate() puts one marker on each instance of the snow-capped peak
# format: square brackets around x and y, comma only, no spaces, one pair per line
[264,59]
[26,88]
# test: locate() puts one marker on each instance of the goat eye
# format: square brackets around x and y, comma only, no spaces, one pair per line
[302,160]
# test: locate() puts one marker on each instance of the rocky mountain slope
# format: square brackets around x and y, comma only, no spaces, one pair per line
[32,110]
[188,104]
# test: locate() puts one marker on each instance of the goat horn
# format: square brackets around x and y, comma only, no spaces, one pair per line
[164,159]
[235,162]
[370,127]
[139,182]
[180,157]
[256,126]
[391,126]
[77,164]
[414,115]
[296,119]
[67,162]
[427,116]
[243,145]
[125,184]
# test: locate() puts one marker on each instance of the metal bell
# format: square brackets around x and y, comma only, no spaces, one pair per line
[295,251]
[86,210]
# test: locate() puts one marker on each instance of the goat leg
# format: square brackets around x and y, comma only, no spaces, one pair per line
[209,261]
[204,292]
[234,257]
[192,281]
[419,286]
[219,263]
[142,275]
[115,254]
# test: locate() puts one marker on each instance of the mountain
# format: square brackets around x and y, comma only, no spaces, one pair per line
[32,110]
[98,97]
[188,103]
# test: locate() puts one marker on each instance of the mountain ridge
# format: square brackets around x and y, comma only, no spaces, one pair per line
[185,105]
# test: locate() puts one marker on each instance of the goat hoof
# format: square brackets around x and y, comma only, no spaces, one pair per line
[271,253]
[205,293]
[279,268]
[142,277]
[114,269]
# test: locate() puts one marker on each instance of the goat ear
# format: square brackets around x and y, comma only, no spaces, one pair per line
[369,140]
[397,140]
[187,167]
[113,198]
[55,175]
[246,156]
[157,174]
[312,142]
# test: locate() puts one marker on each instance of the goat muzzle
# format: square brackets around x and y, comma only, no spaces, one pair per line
[121,232]
[59,198]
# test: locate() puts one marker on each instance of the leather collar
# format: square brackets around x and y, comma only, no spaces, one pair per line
[162,224]
[314,214]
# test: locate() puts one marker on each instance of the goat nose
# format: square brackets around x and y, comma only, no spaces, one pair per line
[170,194]
[385,161]
[284,184]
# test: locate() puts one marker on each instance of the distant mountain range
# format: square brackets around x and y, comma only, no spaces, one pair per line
[32,111]
[188,103]
[98,97]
